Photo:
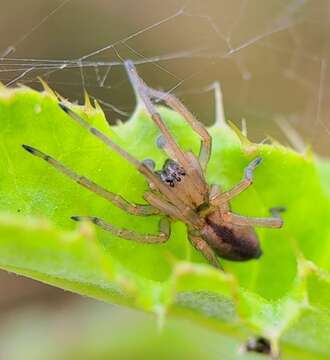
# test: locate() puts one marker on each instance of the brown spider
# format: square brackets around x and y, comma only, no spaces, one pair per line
[179,191]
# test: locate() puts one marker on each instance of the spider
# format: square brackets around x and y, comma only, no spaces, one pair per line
[179,190]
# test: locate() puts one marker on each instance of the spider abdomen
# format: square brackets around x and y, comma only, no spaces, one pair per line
[229,241]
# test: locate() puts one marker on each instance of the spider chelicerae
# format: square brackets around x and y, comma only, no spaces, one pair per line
[179,191]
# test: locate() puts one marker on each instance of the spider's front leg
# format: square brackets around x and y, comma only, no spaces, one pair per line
[199,128]
[145,92]
[172,148]
[142,92]
[163,236]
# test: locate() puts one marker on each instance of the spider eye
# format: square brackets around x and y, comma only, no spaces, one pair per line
[170,181]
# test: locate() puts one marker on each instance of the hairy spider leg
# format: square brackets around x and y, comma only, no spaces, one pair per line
[221,200]
[202,246]
[187,216]
[198,166]
[135,209]
[140,88]
[272,222]
[198,127]
[163,236]
[224,197]
[174,150]
[140,166]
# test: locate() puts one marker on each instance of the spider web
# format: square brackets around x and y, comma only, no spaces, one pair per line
[270,57]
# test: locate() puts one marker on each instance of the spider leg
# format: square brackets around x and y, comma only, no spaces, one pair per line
[117,200]
[201,245]
[101,136]
[187,215]
[172,147]
[163,236]
[272,222]
[142,90]
[177,105]
[241,186]
[140,166]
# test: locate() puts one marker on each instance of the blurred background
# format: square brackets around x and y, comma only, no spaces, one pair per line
[271,59]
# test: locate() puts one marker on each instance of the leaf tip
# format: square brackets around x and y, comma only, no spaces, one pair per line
[97,106]
[87,102]
[308,153]
[60,97]
[47,89]
[240,134]
[220,119]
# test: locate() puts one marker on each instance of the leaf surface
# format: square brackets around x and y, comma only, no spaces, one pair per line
[283,296]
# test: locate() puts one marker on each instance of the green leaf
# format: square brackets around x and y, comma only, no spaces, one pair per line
[283,296]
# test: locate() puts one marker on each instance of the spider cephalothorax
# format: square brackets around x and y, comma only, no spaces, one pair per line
[179,190]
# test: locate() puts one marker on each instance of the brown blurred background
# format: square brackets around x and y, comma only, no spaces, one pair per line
[270,57]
